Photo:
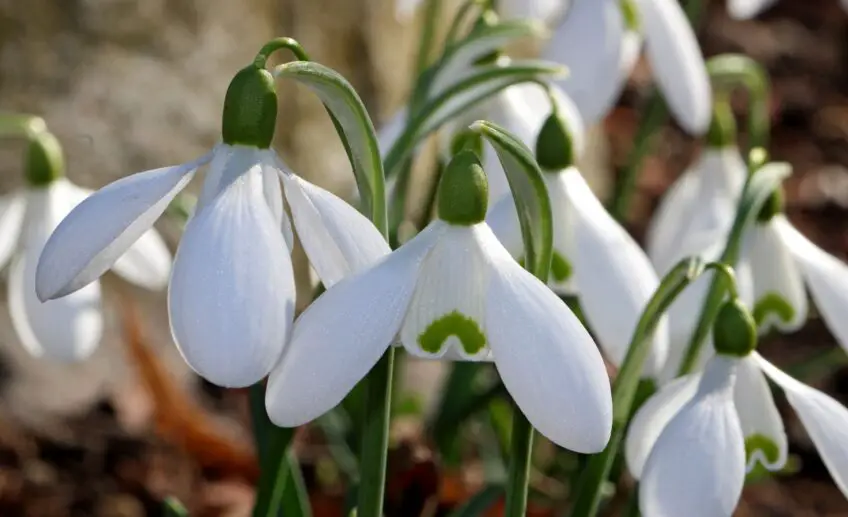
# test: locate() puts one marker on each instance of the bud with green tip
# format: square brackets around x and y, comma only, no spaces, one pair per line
[250,109]
[554,145]
[45,161]
[463,191]
[734,330]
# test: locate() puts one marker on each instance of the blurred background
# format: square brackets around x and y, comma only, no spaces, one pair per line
[129,85]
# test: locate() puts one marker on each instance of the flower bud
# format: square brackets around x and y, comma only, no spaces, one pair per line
[554,145]
[734,330]
[44,159]
[250,109]
[772,206]
[463,191]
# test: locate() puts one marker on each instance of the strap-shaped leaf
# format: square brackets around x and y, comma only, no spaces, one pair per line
[483,83]
[480,503]
[589,487]
[761,184]
[354,127]
[529,193]
[458,59]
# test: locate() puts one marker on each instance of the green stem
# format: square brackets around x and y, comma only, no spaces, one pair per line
[632,508]
[432,14]
[521,449]
[15,124]
[280,44]
[375,437]
[173,508]
[626,384]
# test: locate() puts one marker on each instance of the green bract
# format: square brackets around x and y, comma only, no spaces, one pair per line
[772,206]
[463,190]
[250,109]
[554,146]
[44,159]
[734,330]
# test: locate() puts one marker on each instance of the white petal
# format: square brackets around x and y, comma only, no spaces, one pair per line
[652,418]
[338,240]
[825,419]
[340,337]
[697,466]
[503,220]
[446,314]
[614,277]
[589,43]
[12,207]
[677,63]
[546,359]
[231,297]
[543,10]
[698,209]
[68,329]
[745,9]
[826,276]
[780,300]
[562,279]
[765,438]
[101,228]
[404,9]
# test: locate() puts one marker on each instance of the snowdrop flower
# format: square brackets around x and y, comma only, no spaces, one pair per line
[745,9]
[600,41]
[68,329]
[782,262]
[594,257]
[694,218]
[692,443]
[451,292]
[231,294]
[547,10]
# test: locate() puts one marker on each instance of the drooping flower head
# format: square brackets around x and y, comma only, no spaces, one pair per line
[451,292]
[68,329]
[231,294]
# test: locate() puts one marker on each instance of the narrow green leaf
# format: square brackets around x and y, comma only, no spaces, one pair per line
[480,503]
[757,190]
[355,129]
[591,482]
[174,508]
[295,501]
[481,84]
[458,59]
[529,193]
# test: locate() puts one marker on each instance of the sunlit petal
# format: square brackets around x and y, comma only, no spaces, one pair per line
[765,438]
[12,207]
[744,9]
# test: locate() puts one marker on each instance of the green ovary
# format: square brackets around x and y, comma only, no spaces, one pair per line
[773,303]
[453,324]
[769,449]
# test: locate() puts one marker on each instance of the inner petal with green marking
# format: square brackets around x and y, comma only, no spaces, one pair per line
[561,269]
[466,330]
[773,303]
[766,446]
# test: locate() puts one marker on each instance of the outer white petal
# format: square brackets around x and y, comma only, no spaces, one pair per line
[67,329]
[697,466]
[338,240]
[546,359]
[12,207]
[826,277]
[101,228]
[614,277]
[446,314]
[231,297]
[765,438]
[652,418]
[589,43]
[674,210]
[777,278]
[404,9]
[745,9]
[340,337]
[677,63]
[825,419]
[543,10]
